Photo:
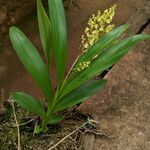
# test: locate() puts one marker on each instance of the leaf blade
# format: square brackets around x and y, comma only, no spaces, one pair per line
[54,119]
[29,103]
[102,43]
[32,61]
[104,61]
[59,35]
[79,94]
[44,30]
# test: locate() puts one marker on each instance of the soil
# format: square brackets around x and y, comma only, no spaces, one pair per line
[13,76]
[13,12]
[43,141]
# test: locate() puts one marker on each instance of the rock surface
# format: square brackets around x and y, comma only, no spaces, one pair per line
[125,111]
[123,107]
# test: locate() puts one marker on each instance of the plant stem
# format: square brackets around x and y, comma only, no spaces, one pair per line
[69,72]
[49,109]
[59,90]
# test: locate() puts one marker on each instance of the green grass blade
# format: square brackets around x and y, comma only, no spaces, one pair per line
[29,103]
[59,35]
[45,30]
[104,42]
[104,61]
[31,60]
[80,94]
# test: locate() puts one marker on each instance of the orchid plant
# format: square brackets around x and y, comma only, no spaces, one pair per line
[100,49]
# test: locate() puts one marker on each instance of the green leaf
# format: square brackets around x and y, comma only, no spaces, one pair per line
[29,103]
[54,119]
[59,35]
[31,60]
[104,42]
[45,30]
[37,129]
[80,94]
[104,61]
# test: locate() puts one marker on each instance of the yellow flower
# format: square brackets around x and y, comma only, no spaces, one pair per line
[97,25]
[86,45]
[83,65]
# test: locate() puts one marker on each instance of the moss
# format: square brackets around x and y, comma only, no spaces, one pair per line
[8,132]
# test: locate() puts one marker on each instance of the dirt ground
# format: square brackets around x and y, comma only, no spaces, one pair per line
[119,100]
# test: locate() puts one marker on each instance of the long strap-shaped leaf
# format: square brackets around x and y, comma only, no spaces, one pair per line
[31,60]
[103,43]
[59,35]
[80,94]
[104,61]
[29,103]
[45,30]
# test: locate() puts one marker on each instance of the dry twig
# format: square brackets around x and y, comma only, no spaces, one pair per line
[17,125]
[54,146]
